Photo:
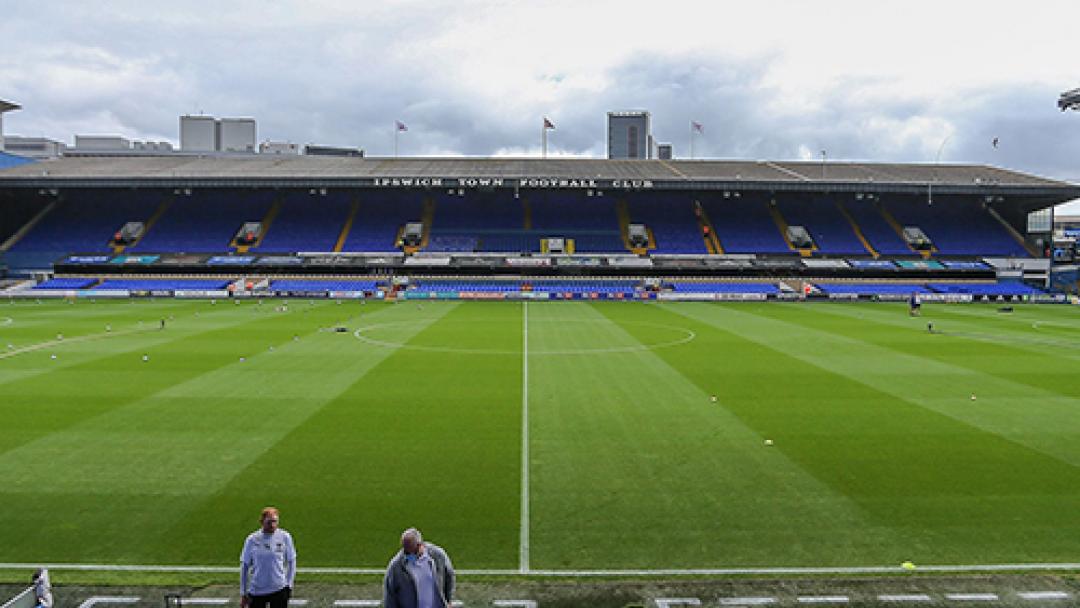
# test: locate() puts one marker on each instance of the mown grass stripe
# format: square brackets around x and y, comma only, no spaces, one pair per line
[962,490]
[148,460]
[624,442]
[417,440]
[1033,414]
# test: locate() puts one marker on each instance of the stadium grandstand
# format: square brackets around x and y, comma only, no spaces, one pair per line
[543,227]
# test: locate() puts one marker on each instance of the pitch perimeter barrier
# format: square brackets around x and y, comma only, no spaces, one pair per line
[25,599]
[713,297]
[44,294]
[530,295]
[201,293]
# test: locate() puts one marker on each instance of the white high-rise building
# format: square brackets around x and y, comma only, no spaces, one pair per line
[209,134]
[236,135]
[198,134]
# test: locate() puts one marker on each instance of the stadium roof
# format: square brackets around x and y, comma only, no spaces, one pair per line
[180,170]
[11,160]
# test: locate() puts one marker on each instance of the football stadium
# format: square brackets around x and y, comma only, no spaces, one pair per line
[853,378]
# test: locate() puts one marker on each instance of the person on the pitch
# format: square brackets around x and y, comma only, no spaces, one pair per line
[267,565]
[915,304]
[42,589]
[420,575]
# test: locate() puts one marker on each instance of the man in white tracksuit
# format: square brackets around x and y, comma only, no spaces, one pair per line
[267,565]
[42,589]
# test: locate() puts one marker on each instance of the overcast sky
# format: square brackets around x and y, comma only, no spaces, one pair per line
[862,80]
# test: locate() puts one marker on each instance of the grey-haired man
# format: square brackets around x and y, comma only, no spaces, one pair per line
[420,575]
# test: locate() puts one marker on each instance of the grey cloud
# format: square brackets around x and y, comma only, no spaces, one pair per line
[342,74]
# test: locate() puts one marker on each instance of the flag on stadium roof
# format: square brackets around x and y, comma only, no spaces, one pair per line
[548,124]
[697,126]
[400,125]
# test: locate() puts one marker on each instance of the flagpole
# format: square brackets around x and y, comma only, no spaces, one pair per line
[543,140]
[396,131]
[691,140]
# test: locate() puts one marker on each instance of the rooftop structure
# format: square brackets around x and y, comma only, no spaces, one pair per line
[629,135]
[5,106]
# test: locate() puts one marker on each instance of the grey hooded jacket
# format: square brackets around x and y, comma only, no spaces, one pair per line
[399,588]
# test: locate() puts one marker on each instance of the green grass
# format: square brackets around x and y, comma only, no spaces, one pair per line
[880,455]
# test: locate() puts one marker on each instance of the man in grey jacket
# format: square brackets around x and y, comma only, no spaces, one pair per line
[420,575]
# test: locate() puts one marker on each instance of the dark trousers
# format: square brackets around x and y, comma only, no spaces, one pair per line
[277,599]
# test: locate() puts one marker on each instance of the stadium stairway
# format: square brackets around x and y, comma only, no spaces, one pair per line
[900,231]
[858,231]
[527,208]
[712,242]
[427,219]
[1013,232]
[21,232]
[267,221]
[347,226]
[782,226]
[624,229]
[162,208]
[793,285]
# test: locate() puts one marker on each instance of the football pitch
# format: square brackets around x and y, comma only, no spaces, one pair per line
[560,436]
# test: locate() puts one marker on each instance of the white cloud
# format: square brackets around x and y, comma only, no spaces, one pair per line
[771,79]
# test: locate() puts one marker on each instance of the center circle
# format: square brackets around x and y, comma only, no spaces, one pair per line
[682,336]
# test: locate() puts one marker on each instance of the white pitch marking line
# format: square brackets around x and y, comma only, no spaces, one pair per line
[569,573]
[518,603]
[358,603]
[297,602]
[972,597]
[204,601]
[668,602]
[823,599]
[746,601]
[18,599]
[912,597]
[1044,595]
[108,599]
[84,338]
[523,556]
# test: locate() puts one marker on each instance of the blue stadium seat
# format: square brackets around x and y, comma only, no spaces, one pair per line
[205,222]
[165,284]
[671,218]
[66,283]
[307,223]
